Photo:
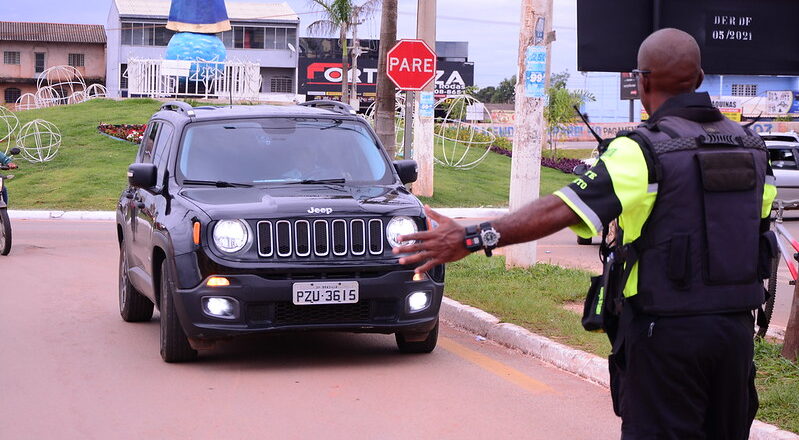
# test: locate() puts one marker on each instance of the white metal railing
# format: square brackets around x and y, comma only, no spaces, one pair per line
[158,78]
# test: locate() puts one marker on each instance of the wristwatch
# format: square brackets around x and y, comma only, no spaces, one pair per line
[490,237]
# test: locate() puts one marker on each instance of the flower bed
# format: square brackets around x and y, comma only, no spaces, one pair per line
[125,132]
[562,163]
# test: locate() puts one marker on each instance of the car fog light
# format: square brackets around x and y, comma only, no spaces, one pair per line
[220,307]
[418,301]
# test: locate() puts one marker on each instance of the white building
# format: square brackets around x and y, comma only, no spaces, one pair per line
[263,33]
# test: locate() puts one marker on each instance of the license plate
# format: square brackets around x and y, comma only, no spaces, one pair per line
[329,292]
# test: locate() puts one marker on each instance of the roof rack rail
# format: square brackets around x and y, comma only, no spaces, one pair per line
[329,104]
[181,106]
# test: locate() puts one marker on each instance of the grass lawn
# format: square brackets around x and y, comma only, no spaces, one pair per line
[488,184]
[535,298]
[89,170]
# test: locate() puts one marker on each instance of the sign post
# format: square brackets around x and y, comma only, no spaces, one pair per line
[412,67]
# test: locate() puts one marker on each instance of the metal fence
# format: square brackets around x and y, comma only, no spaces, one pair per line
[158,78]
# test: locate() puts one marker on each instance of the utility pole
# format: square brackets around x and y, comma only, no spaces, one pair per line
[356,52]
[386,92]
[423,124]
[345,65]
[529,113]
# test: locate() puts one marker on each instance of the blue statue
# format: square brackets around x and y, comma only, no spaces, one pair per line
[196,22]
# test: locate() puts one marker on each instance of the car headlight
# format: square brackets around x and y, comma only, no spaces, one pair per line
[400,226]
[231,236]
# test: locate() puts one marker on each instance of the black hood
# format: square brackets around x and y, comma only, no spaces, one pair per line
[302,200]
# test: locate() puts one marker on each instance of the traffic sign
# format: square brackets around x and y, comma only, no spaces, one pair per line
[411,64]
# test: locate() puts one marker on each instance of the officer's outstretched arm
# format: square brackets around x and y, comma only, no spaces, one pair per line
[445,243]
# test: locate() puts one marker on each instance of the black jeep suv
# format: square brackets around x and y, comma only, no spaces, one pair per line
[252,219]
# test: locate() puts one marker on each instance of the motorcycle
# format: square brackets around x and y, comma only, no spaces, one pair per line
[5,222]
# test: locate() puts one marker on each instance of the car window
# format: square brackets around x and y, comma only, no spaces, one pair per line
[278,150]
[161,155]
[147,143]
[781,138]
[782,158]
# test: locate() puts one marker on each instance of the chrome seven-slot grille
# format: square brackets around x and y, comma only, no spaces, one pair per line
[320,238]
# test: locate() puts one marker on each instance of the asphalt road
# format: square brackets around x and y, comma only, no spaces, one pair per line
[70,368]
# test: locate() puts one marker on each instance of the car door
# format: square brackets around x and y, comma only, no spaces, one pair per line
[141,230]
[786,170]
[153,200]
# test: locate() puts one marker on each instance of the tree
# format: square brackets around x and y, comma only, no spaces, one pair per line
[343,16]
[504,93]
[386,101]
[559,112]
[338,18]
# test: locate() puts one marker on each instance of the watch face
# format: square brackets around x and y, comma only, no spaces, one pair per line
[490,237]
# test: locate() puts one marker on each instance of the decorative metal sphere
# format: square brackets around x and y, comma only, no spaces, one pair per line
[96,91]
[462,144]
[64,80]
[38,141]
[27,101]
[8,125]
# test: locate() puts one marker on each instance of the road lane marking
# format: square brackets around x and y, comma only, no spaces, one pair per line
[498,368]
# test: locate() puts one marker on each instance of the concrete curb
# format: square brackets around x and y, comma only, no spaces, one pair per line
[62,215]
[585,365]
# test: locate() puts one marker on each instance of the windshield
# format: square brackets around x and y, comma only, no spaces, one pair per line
[282,150]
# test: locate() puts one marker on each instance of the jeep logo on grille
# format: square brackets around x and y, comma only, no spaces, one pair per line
[313,210]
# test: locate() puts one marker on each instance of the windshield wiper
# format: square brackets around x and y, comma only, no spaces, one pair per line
[321,181]
[216,183]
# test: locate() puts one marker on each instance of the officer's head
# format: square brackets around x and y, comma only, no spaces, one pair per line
[669,63]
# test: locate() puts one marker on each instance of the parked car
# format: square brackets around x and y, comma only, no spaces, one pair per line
[255,219]
[783,152]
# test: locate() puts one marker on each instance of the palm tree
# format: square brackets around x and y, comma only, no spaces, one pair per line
[386,101]
[341,16]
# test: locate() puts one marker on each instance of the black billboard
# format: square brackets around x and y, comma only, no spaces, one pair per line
[322,77]
[737,37]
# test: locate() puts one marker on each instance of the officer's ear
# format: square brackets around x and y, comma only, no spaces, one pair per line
[700,79]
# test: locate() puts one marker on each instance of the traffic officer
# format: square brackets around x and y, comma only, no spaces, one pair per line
[691,190]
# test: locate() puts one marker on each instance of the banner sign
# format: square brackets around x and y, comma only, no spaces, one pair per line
[322,77]
[535,68]
[427,103]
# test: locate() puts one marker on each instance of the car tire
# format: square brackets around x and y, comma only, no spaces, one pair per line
[584,241]
[5,232]
[425,346]
[133,306]
[174,343]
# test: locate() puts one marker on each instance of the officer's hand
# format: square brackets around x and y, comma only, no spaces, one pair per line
[12,166]
[437,246]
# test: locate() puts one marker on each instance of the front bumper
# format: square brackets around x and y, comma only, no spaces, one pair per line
[265,305]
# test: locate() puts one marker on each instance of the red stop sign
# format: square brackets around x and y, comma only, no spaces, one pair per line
[411,64]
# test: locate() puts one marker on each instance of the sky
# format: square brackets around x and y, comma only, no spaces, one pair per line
[490,27]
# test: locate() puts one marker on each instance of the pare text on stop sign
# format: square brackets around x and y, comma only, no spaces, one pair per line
[426,65]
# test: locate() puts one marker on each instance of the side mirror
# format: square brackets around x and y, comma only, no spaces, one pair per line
[142,175]
[580,169]
[407,169]
[14,151]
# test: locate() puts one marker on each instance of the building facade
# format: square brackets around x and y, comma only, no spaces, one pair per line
[29,49]
[263,33]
